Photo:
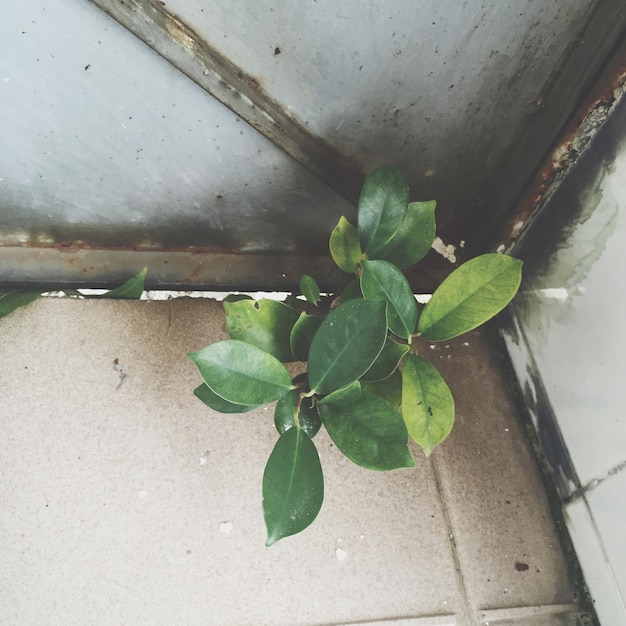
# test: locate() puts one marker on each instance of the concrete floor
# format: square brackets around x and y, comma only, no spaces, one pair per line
[127,501]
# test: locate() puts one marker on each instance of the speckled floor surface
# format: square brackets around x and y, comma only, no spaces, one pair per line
[127,501]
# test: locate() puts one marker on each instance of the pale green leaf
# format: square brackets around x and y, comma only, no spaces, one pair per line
[310,289]
[381,280]
[293,486]
[14,298]
[242,373]
[346,344]
[370,432]
[471,295]
[130,290]
[382,206]
[344,246]
[265,324]
[427,403]
[215,402]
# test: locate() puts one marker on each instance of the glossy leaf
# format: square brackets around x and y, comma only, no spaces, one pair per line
[293,486]
[242,373]
[131,289]
[352,291]
[382,206]
[346,344]
[302,335]
[344,246]
[213,401]
[310,289]
[427,403]
[381,280]
[370,432]
[14,298]
[389,389]
[387,362]
[471,295]
[289,406]
[343,396]
[265,324]
[414,237]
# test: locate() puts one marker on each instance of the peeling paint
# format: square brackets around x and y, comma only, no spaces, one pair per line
[446,251]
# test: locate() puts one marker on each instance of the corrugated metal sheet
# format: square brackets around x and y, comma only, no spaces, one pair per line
[108,146]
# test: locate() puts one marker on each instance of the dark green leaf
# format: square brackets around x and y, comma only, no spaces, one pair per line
[11,300]
[131,289]
[387,362]
[242,373]
[352,291]
[293,486]
[302,334]
[343,396]
[381,280]
[389,389]
[370,432]
[382,206]
[310,289]
[213,401]
[427,403]
[236,297]
[414,237]
[288,406]
[471,295]
[347,343]
[344,246]
[265,324]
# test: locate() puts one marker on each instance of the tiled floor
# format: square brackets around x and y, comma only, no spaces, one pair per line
[126,501]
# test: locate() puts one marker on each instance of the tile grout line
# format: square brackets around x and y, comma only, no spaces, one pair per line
[467,605]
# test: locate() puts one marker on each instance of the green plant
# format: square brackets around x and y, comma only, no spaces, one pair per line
[365,382]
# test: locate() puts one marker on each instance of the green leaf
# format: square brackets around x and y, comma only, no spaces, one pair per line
[131,289]
[213,401]
[343,396]
[387,362]
[382,206]
[265,324]
[293,486]
[381,280]
[11,300]
[352,291]
[389,389]
[242,373]
[302,334]
[414,238]
[290,406]
[471,295]
[427,403]
[370,432]
[346,344]
[310,289]
[344,246]
[235,297]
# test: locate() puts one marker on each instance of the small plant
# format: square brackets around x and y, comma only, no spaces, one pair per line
[365,382]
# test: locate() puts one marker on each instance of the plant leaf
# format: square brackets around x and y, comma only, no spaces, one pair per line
[130,290]
[302,334]
[370,432]
[293,486]
[235,297]
[213,401]
[310,289]
[346,344]
[389,389]
[427,403]
[414,237]
[343,396]
[381,280]
[14,298]
[382,206]
[344,246]
[352,291]
[387,362]
[285,411]
[242,373]
[471,295]
[265,324]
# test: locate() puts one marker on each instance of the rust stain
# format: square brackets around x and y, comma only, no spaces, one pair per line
[572,141]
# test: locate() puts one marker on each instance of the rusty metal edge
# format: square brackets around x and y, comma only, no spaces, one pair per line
[576,136]
[179,44]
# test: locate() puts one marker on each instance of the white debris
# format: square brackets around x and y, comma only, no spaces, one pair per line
[446,251]
[555,293]
[226,527]
[142,494]
[340,554]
